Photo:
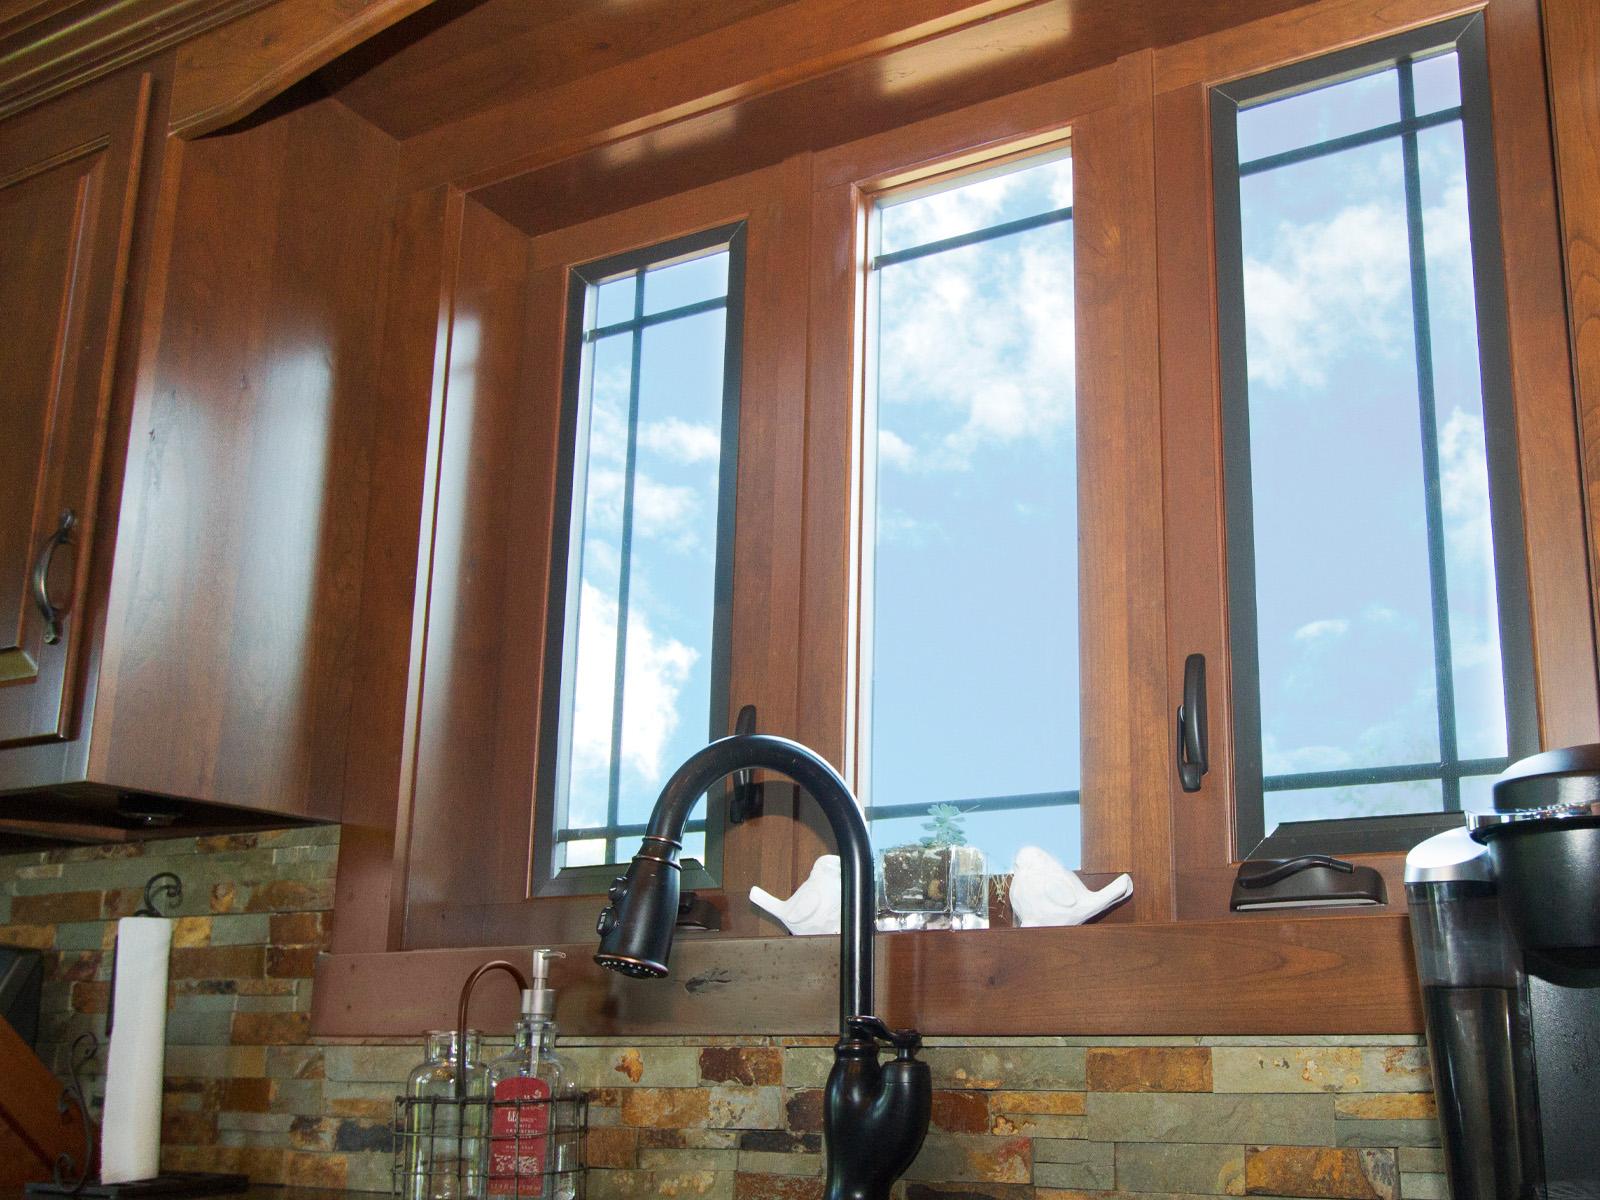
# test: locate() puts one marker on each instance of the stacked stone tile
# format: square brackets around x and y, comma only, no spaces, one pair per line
[731,1118]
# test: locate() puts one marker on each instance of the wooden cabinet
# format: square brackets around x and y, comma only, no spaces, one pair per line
[212,448]
[68,185]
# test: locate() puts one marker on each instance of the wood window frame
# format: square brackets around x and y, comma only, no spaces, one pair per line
[1170,961]
[561,621]
[1562,613]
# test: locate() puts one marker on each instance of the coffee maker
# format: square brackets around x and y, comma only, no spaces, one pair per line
[1505,920]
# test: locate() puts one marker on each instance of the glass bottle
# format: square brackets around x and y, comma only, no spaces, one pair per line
[445,1152]
[532,1143]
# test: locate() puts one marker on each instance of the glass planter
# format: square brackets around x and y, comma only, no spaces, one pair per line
[932,887]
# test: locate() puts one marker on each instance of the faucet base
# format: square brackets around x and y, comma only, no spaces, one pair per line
[875,1116]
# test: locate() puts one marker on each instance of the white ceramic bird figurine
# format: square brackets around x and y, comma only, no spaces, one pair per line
[1043,892]
[814,907]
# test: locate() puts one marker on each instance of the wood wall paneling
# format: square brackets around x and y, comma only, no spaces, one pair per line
[374,845]
[468,842]
[69,188]
[237,577]
[1572,54]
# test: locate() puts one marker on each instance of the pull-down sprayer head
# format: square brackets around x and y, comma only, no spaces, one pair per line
[636,928]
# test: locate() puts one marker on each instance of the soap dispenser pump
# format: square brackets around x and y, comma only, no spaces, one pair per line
[528,1141]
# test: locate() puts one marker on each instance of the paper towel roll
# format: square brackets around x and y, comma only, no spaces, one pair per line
[130,1132]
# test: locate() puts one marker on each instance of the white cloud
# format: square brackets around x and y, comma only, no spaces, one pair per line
[894,450]
[1323,291]
[1464,487]
[900,527]
[682,441]
[660,510]
[657,668]
[972,363]
[1331,627]
[1325,287]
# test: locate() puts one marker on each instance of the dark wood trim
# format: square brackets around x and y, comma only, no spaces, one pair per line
[1542,380]
[1122,601]
[29,1116]
[1305,976]
[1192,469]
[1572,60]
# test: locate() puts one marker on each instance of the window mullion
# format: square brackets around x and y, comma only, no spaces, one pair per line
[1422,333]
[624,571]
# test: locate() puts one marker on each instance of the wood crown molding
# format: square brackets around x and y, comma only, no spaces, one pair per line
[49,47]
[234,55]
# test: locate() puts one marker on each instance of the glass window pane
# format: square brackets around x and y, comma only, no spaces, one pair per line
[1367,102]
[1355,800]
[965,207]
[1333,401]
[614,301]
[973,675]
[1463,462]
[1438,83]
[649,550]
[702,278]
[1364,466]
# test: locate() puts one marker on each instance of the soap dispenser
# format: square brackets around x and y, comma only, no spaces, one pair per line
[529,1142]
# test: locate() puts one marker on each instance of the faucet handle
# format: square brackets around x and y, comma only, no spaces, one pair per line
[906,1042]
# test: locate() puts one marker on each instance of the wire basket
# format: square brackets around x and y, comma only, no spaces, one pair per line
[480,1149]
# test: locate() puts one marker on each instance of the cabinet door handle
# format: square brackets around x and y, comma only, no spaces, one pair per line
[41,576]
[1192,740]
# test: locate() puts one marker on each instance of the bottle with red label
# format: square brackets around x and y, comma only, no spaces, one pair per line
[527,1151]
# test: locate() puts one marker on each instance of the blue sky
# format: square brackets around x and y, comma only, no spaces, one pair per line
[972,665]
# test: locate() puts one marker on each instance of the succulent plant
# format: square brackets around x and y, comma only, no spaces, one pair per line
[945,827]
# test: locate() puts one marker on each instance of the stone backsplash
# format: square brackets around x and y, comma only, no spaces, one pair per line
[1060,1118]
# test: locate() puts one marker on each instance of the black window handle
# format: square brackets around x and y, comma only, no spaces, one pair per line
[746,801]
[1193,759]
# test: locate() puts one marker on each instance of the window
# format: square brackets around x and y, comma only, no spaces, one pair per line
[1376,576]
[650,437]
[969,649]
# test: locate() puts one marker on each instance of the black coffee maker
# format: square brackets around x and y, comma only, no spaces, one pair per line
[1505,919]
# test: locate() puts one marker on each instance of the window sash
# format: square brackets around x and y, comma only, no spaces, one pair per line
[566,541]
[1466,37]
[876,262]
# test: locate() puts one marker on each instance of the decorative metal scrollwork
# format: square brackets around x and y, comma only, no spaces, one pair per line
[68,1172]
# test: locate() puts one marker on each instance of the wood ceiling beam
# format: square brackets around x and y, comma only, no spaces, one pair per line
[762,54]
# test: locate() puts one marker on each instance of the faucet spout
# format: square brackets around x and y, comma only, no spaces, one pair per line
[636,930]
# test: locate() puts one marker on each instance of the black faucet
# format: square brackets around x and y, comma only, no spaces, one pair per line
[874,1115]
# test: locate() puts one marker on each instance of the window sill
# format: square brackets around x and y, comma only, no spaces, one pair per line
[1304,975]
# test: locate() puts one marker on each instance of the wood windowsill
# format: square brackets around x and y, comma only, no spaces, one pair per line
[1334,973]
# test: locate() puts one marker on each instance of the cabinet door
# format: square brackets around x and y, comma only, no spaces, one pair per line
[68,178]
